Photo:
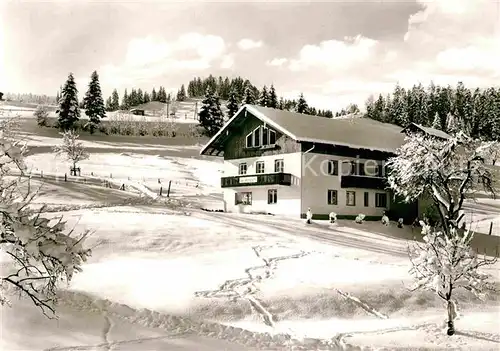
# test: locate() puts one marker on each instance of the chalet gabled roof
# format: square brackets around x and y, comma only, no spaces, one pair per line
[428,130]
[359,133]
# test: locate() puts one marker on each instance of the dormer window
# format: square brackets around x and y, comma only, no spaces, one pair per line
[261,137]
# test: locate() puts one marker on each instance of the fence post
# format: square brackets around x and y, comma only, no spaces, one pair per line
[168,190]
[65,177]
[161,190]
[491,228]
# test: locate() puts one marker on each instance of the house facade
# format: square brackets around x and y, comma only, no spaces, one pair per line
[281,162]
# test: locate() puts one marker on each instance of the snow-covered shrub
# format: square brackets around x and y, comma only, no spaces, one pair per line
[41,113]
[360,218]
[41,253]
[444,263]
[385,220]
[333,217]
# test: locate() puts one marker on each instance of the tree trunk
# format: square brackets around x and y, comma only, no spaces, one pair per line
[452,314]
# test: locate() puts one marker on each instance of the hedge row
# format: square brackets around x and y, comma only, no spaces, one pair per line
[125,124]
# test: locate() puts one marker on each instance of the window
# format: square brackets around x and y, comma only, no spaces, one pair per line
[381,200]
[367,199]
[272,137]
[256,137]
[244,198]
[259,167]
[265,136]
[250,140]
[332,197]
[261,136]
[333,167]
[242,168]
[272,196]
[279,166]
[350,198]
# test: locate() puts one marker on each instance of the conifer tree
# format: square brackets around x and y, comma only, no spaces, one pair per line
[146,97]
[452,124]
[94,103]
[302,106]
[181,94]
[281,103]
[436,123]
[115,101]
[125,101]
[273,98]
[140,96]
[249,97]
[264,97]
[153,95]
[109,104]
[232,104]
[69,110]
[210,115]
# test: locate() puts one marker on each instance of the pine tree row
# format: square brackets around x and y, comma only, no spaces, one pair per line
[245,92]
[474,111]
[136,97]
[69,108]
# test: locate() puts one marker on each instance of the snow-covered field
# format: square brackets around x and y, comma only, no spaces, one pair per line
[184,112]
[152,263]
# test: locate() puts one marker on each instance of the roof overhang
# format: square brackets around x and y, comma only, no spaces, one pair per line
[352,146]
[215,146]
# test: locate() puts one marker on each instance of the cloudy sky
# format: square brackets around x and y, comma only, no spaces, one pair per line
[336,52]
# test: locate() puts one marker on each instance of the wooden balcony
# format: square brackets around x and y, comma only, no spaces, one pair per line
[256,180]
[364,182]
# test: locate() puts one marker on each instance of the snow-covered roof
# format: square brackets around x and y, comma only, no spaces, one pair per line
[428,130]
[359,133]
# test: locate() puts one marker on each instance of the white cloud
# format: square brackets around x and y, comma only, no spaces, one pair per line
[277,62]
[248,44]
[458,40]
[227,61]
[483,56]
[335,54]
[150,57]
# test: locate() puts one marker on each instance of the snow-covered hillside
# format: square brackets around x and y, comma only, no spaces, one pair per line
[170,276]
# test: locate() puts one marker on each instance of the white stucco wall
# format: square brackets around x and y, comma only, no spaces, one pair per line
[316,182]
[288,196]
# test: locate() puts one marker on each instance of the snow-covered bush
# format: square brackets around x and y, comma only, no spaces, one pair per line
[333,217]
[444,263]
[42,255]
[360,218]
[41,113]
[385,220]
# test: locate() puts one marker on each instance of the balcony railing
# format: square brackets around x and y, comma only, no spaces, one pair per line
[256,180]
[365,182]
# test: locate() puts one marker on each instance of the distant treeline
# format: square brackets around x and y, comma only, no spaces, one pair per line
[475,111]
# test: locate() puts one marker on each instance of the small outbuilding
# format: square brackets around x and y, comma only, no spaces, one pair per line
[137,111]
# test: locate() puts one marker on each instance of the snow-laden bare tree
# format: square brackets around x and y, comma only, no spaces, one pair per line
[71,148]
[444,263]
[447,171]
[39,252]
